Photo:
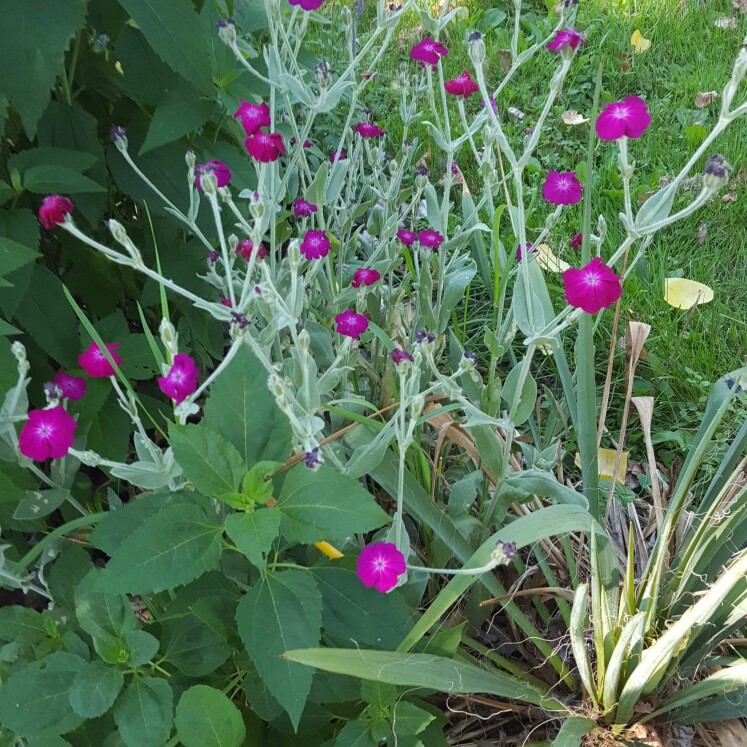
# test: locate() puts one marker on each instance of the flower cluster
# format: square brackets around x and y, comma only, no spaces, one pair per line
[262,146]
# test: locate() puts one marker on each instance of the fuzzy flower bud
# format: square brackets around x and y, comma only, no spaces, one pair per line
[169,337]
[304,341]
[118,136]
[717,170]
[323,72]
[256,208]
[476,48]
[209,183]
[504,553]
[227,31]
[191,160]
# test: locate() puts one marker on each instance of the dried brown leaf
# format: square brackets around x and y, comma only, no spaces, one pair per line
[740,5]
[705,97]
[729,197]
[572,117]
[700,236]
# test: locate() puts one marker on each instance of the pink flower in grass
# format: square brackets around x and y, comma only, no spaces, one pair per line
[493,104]
[47,433]
[380,565]
[400,356]
[369,129]
[629,118]
[351,324]
[568,38]
[306,143]
[265,146]
[53,210]
[253,116]
[365,276]
[72,387]
[94,362]
[246,247]
[429,238]
[303,209]
[562,189]
[428,51]
[338,155]
[181,380]
[593,287]
[308,4]
[530,252]
[462,85]
[217,168]
[315,245]
[576,241]
[408,238]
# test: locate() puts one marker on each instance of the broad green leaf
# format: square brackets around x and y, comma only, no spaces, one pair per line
[141,646]
[356,733]
[518,486]
[409,719]
[144,712]
[176,546]
[210,463]
[65,157]
[32,56]
[205,717]
[36,699]
[67,571]
[254,532]
[95,688]
[326,505]
[22,625]
[38,503]
[459,274]
[524,401]
[241,408]
[422,670]
[49,179]
[14,255]
[192,646]
[172,29]
[183,111]
[280,612]
[257,485]
[572,731]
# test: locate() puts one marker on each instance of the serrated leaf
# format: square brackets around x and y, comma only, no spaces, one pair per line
[254,532]
[192,646]
[21,624]
[356,733]
[144,712]
[94,689]
[326,505]
[205,717]
[278,613]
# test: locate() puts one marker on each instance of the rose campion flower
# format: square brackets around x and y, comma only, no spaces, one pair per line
[365,277]
[315,245]
[306,143]
[399,356]
[265,147]
[530,252]
[369,129]
[562,189]
[226,302]
[94,362]
[380,565]
[576,241]
[218,169]
[351,324]
[593,287]
[568,38]
[462,85]
[53,210]
[181,380]
[493,104]
[303,209]
[253,116]
[629,118]
[72,387]
[338,155]
[428,51]
[47,433]
[246,247]
[308,4]
[429,238]
[408,238]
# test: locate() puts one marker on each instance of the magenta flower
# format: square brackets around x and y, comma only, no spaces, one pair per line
[246,247]
[338,155]
[308,4]
[562,189]
[593,287]
[94,362]
[463,85]
[226,302]
[181,380]
[53,210]
[380,565]
[629,117]
[576,241]
[221,172]
[408,238]
[47,433]
[351,324]
[493,104]
[568,38]
[265,146]
[72,387]
[428,51]
[303,209]
[365,277]
[369,129]
[398,356]
[315,245]
[429,238]
[530,252]
[253,116]
[306,143]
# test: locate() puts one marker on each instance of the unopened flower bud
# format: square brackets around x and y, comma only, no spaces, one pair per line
[313,459]
[227,30]
[476,48]
[169,337]
[118,136]
[504,553]
[304,341]
[256,208]
[19,351]
[323,72]
[417,406]
[52,392]
[717,170]
[118,232]
[209,182]
[191,160]
[276,386]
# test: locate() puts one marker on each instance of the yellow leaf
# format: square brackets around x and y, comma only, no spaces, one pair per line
[606,459]
[329,550]
[548,261]
[684,294]
[639,43]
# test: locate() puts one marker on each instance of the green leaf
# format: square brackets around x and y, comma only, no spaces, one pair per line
[254,532]
[524,404]
[39,503]
[410,719]
[36,698]
[144,712]
[94,690]
[241,408]
[49,179]
[14,255]
[65,157]
[572,731]
[257,486]
[169,26]
[183,111]
[176,546]
[210,463]
[192,646]
[32,56]
[326,505]
[282,611]
[205,717]
[356,733]
[21,624]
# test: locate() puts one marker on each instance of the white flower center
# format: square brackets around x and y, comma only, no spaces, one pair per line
[621,112]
